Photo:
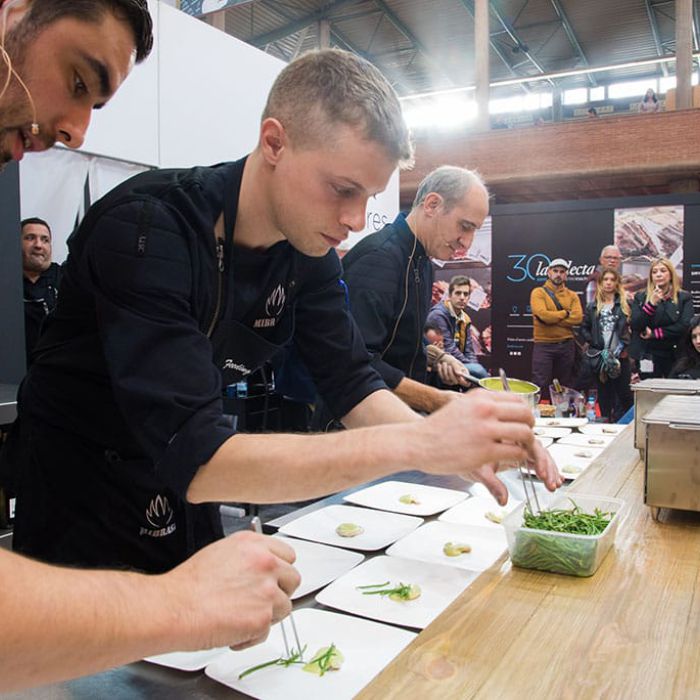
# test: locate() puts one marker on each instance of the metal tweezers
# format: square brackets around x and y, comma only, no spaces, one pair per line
[256,526]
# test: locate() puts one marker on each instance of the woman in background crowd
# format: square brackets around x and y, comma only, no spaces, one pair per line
[688,366]
[650,102]
[660,316]
[605,329]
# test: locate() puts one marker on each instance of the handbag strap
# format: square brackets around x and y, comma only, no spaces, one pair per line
[552,296]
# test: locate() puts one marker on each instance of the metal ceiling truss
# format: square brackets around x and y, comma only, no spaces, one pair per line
[298,24]
[668,47]
[569,31]
[656,34]
[339,40]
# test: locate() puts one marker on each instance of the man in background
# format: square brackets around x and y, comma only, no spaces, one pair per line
[556,310]
[41,278]
[390,278]
[610,256]
[451,317]
[63,59]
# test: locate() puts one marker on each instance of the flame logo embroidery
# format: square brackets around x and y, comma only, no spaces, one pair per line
[159,513]
[275,302]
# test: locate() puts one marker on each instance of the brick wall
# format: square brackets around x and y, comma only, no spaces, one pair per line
[624,149]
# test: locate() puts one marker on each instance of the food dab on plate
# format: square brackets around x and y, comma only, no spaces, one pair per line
[454,549]
[404,591]
[494,517]
[325,659]
[349,529]
[409,500]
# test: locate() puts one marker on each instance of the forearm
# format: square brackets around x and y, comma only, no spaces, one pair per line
[421,397]
[60,623]
[282,468]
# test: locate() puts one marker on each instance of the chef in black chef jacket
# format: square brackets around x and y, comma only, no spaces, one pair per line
[180,282]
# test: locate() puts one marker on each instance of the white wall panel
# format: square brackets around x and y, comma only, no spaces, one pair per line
[213,90]
[127,128]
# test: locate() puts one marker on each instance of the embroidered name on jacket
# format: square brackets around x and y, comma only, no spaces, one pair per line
[159,515]
[273,308]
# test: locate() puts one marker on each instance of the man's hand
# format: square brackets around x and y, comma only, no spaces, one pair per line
[233,590]
[451,371]
[477,432]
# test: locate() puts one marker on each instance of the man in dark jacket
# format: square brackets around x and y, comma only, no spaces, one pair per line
[181,282]
[41,278]
[389,277]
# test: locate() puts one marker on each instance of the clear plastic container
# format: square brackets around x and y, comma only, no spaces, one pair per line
[560,552]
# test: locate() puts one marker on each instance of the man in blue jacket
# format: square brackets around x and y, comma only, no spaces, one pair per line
[451,317]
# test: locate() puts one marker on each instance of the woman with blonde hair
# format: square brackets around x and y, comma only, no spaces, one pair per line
[660,317]
[605,328]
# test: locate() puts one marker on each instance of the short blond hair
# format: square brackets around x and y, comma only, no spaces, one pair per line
[321,89]
[675,281]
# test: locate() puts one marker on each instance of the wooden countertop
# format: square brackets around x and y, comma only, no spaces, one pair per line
[630,631]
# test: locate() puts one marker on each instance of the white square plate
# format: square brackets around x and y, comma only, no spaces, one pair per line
[587,440]
[473,512]
[607,429]
[573,456]
[386,495]
[380,528]
[367,647]
[554,433]
[187,660]
[560,422]
[544,441]
[319,564]
[440,585]
[426,543]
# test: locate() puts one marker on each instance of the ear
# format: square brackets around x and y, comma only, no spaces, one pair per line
[432,203]
[14,11]
[273,140]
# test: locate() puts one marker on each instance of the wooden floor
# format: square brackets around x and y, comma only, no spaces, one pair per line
[630,631]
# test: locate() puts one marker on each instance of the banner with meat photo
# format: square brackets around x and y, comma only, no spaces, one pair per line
[643,234]
[475,264]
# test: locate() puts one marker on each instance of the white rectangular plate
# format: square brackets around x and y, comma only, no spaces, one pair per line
[544,441]
[379,528]
[560,422]
[319,564]
[386,495]
[367,647]
[554,433]
[440,585]
[572,456]
[187,660]
[586,440]
[602,429]
[426,543]
[473,512]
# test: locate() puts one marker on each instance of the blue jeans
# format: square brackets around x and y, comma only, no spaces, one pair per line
[476,370]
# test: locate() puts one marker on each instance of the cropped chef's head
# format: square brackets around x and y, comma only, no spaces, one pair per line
[332,133]
[61,60]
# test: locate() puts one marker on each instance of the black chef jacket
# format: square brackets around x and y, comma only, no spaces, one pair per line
[39,300]
[123,402]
